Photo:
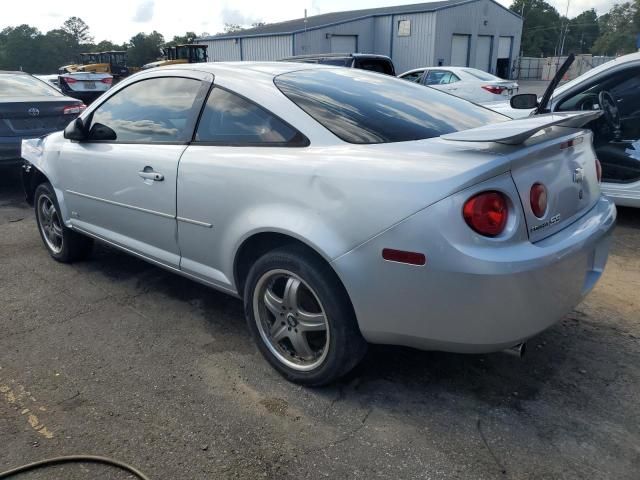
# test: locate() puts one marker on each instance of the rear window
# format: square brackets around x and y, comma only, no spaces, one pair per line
[25,86]
[363,107]
[480,74]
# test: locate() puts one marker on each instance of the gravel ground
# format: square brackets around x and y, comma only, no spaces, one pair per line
[115,357]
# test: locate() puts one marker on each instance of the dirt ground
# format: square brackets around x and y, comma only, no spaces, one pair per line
[115,357]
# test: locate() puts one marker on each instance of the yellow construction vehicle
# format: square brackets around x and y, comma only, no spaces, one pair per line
[85,59]
[189,53]
[113,62]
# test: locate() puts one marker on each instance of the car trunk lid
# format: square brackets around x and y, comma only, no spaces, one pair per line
[561,159]
[33,116]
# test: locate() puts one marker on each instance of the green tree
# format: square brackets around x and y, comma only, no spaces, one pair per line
[21,49]
[618,30]
[582,32]
[144,48]
[78,29]
[541,27]
[188,37]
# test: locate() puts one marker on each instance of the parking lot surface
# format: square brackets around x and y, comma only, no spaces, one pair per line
[113,356]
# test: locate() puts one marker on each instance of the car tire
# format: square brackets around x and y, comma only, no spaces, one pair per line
[288,294]
[62,243]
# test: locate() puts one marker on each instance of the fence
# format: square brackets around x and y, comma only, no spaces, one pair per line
[533,68]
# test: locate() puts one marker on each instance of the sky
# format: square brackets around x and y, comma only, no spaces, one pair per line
[119,20]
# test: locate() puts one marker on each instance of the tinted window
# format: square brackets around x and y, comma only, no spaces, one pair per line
[340,62]
[413,76]
[25,86]
[229,119]
[379,65]
[440,77]
[154,110]
[363,107]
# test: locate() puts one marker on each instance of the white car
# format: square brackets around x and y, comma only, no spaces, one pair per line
[50,79]
[468,83]
[85,86]
[617,133]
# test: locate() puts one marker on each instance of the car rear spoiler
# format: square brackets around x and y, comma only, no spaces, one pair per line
[516,132]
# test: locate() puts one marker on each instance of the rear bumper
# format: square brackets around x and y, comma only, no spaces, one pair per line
[469,298]
[86,96]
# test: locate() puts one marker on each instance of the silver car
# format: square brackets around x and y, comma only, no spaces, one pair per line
[344,207]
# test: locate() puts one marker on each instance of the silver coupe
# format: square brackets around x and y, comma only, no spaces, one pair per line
[344,207]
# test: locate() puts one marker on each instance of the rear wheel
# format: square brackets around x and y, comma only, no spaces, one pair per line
[301,317]
[63,244]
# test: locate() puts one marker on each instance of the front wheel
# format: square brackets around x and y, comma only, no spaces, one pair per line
[62,243]
[301,318]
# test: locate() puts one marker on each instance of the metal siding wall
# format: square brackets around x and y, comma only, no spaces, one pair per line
[382,30]
[469,19]
[417,49]
[266,48]
[223,50]
[316,41]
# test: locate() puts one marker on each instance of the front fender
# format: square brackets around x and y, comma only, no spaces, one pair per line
[40,159]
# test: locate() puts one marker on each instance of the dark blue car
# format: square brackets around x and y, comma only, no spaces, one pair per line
[30,108]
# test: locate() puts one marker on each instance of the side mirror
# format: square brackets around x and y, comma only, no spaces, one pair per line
[524,101]
[75,130]
[102,132]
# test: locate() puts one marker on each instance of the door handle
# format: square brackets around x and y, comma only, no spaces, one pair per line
[148,174]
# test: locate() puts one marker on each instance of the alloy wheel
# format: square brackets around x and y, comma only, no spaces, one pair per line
[49,223]
[291,320]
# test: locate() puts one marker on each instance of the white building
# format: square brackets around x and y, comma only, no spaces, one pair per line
[475,33]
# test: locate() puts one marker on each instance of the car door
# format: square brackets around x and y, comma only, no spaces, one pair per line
[120,182]
[222,183]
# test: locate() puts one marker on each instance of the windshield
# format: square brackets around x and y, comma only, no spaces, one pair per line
[364,107]
[480,74]
[25,86]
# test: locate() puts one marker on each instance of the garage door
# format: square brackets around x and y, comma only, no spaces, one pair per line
[460,50]
[504,47]
[483,53]
[344,43]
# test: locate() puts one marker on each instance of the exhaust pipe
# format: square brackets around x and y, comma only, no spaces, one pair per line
[517,350]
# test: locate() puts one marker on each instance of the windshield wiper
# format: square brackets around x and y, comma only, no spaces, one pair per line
[546,97]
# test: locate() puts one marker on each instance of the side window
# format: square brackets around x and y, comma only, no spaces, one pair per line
[439,77]
[454,78]
[624,86]
[229,119]
[157,110]
[413,76]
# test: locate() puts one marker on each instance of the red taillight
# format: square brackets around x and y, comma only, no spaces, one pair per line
[107,80]
[538,199]
[401,256]
[598,170]
[487,213]
[70,80]
[71,109]
[495,89]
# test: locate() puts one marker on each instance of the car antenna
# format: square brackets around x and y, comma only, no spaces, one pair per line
[546,97]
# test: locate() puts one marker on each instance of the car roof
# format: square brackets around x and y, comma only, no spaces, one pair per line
[268,69]
[11,72]
[338,55]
